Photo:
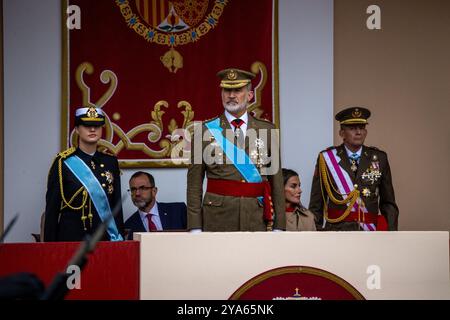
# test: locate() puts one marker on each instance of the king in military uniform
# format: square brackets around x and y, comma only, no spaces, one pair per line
[352,183]
[240,157]
[83,186]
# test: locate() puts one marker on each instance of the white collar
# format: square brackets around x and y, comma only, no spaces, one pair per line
[153,211]
[89,154]
[349,152]
[230,117]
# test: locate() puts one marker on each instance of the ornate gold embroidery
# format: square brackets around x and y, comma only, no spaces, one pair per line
[172,143]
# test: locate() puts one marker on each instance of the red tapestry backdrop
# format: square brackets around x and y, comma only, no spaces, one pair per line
[151,66]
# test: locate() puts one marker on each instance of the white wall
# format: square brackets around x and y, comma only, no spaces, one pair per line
[32,77]
[32,82]
[306,84]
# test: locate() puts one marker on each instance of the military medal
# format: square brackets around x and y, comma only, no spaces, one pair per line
[354,167]
[213,143]
[109,177]
[259,153]
[372,174]
[259,143]
[375,165]
[366,192]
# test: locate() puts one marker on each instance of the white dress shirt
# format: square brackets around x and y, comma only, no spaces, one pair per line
[244,118]
[349,153]
[155,217]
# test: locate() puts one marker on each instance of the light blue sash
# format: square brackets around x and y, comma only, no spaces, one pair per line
[247,169]
[84,174]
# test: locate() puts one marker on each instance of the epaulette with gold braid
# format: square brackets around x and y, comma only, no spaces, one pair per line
[106,151]
[61,155]
[64,154]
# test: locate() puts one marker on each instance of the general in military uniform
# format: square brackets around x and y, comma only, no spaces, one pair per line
[352,183]
[239,155]
[83,186]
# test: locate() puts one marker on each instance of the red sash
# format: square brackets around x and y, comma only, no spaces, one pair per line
[378,220]
[234,188]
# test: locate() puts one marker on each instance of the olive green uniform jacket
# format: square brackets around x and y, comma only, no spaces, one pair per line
[215,212]
[379,198]
[301,219]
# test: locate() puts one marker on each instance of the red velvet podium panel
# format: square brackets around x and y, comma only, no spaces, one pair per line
[112,270]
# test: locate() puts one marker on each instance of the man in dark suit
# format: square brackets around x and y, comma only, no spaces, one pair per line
[152,215]
[352,183]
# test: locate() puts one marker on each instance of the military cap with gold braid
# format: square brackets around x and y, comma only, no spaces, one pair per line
[353,115]
[89,117]
[234,78]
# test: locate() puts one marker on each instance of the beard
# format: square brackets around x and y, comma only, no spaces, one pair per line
[141,204]
[233,107]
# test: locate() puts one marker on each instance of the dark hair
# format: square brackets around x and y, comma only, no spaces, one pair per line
[287,174]
[142,173]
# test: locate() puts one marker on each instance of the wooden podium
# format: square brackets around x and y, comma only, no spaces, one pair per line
[411,265]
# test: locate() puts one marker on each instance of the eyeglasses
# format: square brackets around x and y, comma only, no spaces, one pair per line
[133,190]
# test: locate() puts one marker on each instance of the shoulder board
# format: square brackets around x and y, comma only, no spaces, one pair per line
[61,155]
[376,149]
[260,119]
[263,123]
[209,120]
[263,120]
[106,151]
[64,154]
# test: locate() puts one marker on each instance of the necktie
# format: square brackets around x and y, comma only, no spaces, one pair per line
[355,157]
[238,133]
[151,225]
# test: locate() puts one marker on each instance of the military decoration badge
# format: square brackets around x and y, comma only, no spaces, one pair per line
[109,177]
[92,113]
[212,142]
[366,192]
[372,173]
[353,166]
[258,153]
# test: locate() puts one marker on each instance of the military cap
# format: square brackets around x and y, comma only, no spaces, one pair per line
[353,115]
[89,117]
[234,78]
